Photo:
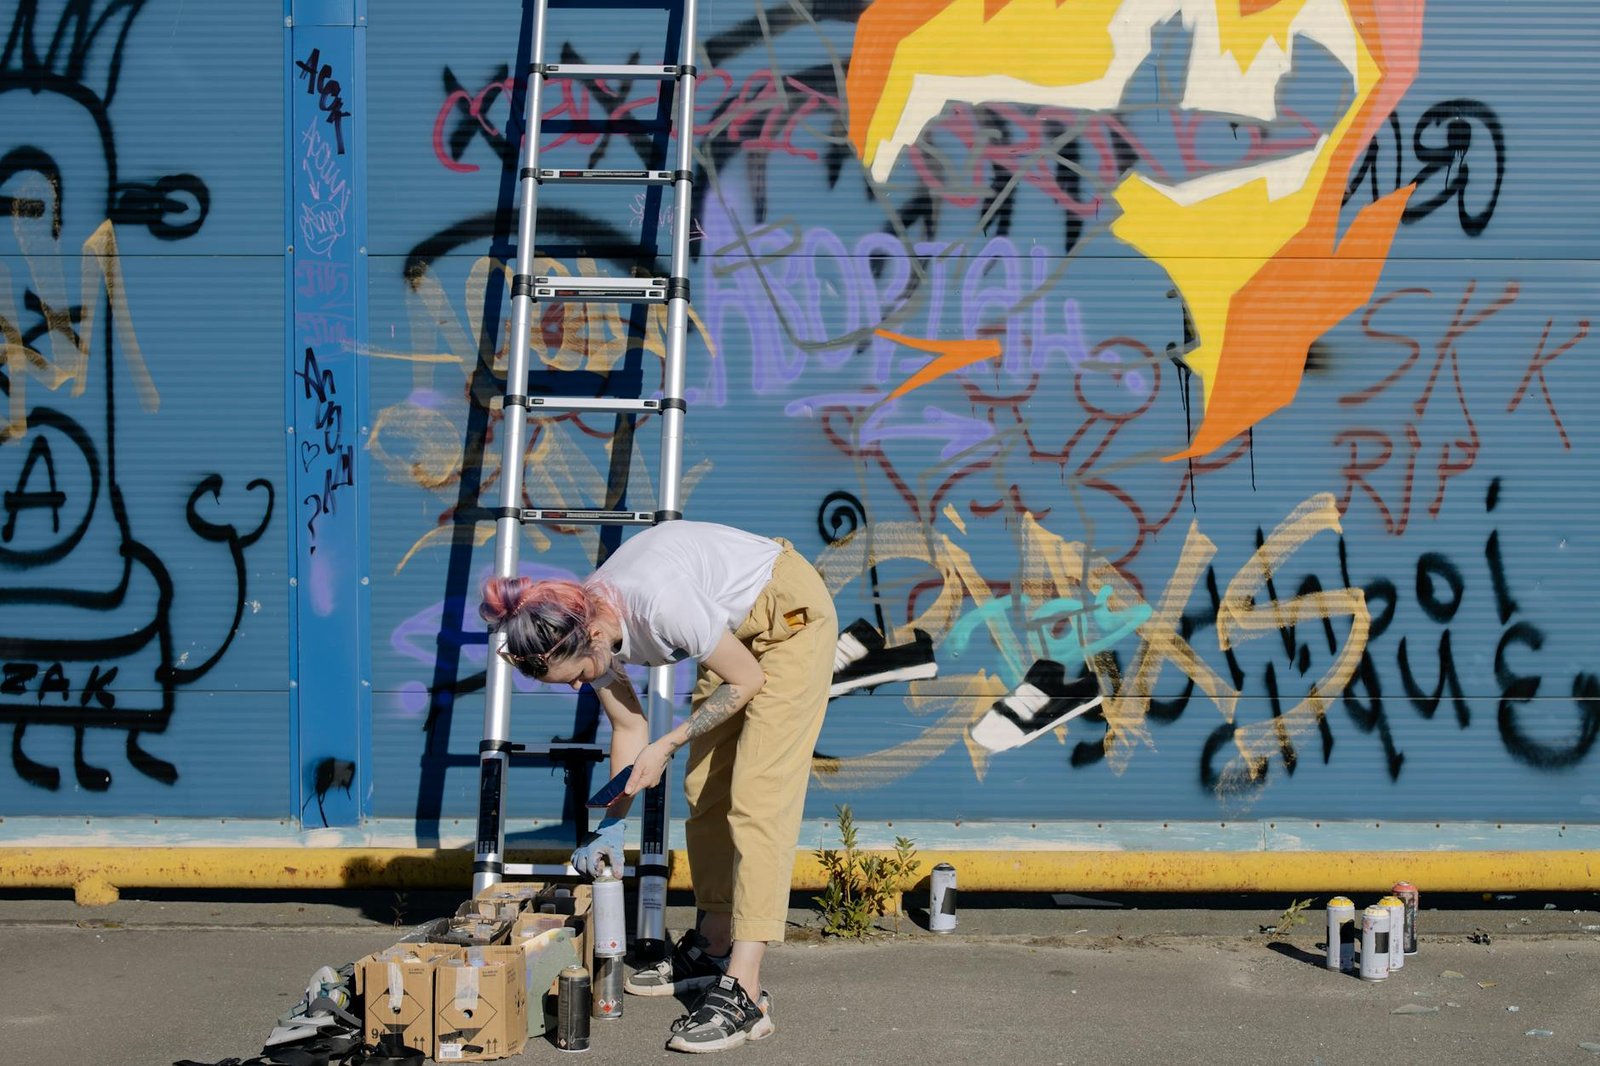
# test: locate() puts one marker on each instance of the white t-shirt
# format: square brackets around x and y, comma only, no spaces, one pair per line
[681,585]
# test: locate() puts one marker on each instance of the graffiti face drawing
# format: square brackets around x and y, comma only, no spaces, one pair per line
[1252,249]
[87,637]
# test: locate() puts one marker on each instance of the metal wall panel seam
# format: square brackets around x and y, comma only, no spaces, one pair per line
[291,446]
[326,392]
[363,458]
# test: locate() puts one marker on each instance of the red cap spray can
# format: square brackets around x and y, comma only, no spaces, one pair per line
[1408,894]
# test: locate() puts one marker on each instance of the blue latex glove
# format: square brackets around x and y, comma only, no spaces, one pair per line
[602,845]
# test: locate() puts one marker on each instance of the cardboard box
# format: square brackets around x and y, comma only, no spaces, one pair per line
[575,909]
[480,1011]
[520,892]
[492,909]
[396,990]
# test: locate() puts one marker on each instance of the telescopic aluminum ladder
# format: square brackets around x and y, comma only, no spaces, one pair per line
[527,290]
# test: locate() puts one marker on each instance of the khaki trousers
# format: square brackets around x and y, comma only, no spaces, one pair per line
[746,780]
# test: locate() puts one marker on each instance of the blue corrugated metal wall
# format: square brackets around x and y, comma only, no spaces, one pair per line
[250,416]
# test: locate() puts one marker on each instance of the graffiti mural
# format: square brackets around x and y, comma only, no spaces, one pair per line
[99,610]
[1126,403]
[1189,402]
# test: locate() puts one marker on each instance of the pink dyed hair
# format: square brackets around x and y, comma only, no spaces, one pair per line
[546,622]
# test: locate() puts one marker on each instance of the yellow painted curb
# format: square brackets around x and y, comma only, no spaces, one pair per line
[96,875]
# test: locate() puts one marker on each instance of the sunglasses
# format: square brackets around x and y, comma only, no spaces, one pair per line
[532,665]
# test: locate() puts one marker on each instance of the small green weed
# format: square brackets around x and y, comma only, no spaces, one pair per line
[1293,915]
[862,886]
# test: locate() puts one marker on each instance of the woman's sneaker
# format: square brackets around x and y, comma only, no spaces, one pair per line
[724,1018]
[689,968]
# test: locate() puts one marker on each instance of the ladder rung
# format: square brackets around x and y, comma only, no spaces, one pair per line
[545,751]
[588,518]
[655,72]
[617,290]
[607,177]
[539,869]
[550,869]
[597,403]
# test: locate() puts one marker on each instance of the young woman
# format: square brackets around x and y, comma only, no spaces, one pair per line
[760,623]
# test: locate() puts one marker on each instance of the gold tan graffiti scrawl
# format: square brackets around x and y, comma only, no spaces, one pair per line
[1055,567]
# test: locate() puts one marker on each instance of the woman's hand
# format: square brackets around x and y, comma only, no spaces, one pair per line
[648,768]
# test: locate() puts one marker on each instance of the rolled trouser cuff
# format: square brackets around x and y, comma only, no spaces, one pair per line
[762,929]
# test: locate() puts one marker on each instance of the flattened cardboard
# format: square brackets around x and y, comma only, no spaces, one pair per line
[546,950]
[481,1012]
[397,993]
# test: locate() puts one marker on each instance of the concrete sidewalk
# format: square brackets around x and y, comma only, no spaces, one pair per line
[147,981]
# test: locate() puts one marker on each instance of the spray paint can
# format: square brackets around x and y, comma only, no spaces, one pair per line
[610,916]
[1408,894]
[1341,935]
[1397,924]
[942,899]
[1375,943]
[572,1009]
[607,991]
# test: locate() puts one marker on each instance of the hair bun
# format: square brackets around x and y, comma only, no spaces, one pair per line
[501,595]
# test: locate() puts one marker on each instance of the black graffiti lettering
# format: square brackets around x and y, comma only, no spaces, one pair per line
[317,380]
[319,384]
[1367,169]
[1171,710]
[1233,777]
[1431,566]
[1285,745]
[1455,117]
[321,83]
[1301,658]
[17,676]
[1446,159]
[1504,603]
[1369,715]
[1518,690]
[55,680]
[97,689]
[1235,671]
[1427,703]
[330,419]
[24,498]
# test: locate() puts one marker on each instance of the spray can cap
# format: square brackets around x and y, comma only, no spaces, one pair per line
[1390,901]
[1404,886]
[1376,911]
[1340,901]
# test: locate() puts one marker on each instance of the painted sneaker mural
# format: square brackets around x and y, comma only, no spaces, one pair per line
[1044,700]
[863,659]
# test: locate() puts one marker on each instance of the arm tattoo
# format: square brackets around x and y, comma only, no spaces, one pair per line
[722,704]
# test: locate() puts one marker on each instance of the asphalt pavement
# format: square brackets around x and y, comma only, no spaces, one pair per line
[1036,979]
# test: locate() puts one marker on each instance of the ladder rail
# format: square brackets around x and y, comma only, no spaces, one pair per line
[651,915]
[493,752]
